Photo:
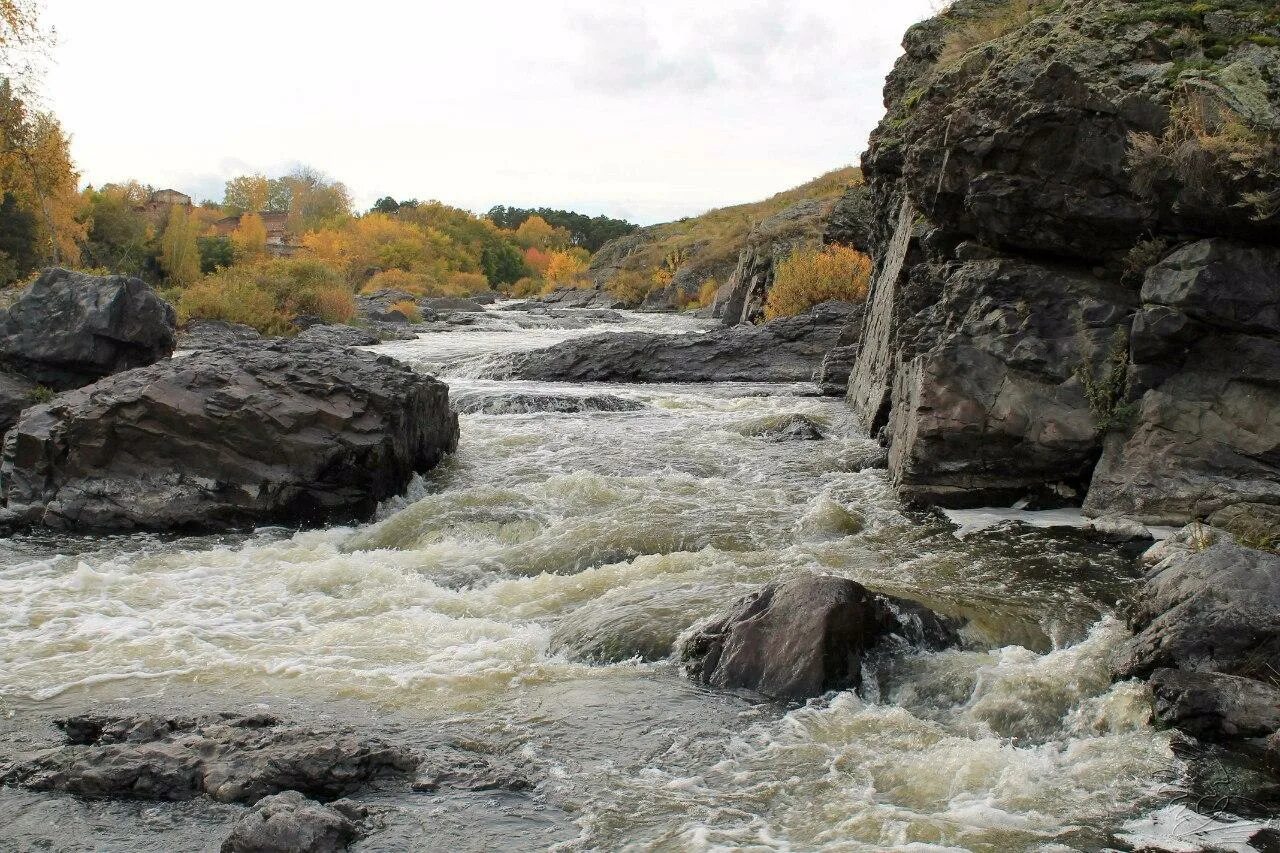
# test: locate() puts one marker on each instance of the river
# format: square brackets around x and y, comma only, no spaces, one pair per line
[526,596]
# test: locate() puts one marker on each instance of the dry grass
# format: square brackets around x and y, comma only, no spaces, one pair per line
[409,309]
[991,24]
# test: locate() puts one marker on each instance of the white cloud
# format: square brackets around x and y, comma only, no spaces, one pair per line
[651,111]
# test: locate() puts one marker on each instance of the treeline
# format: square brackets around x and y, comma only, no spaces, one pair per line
[587,232]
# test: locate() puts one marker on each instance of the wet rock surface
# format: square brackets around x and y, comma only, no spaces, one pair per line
[793,428]
[70,328]
[482,403]
[227,757]
[806,636]
[276,432]
[290,823]
[789,349]
[1214,706]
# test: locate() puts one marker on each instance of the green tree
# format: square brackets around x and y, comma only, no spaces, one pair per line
[215,253]
[502,263]
[118,238]
[179,251]
[18,236]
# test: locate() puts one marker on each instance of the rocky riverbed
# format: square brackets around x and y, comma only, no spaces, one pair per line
[496,657]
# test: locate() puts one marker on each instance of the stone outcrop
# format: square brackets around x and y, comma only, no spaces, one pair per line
[70,328]
[789,349]
[1214,706]
[515,403]
[1075,224]
[16,393]
[803,637]
[227,757]
[267,432]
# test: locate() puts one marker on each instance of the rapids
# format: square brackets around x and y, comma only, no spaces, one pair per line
[527,596]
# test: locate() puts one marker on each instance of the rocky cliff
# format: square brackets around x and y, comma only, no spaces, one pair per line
[1076,227]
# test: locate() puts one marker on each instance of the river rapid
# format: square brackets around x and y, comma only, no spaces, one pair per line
[525,598]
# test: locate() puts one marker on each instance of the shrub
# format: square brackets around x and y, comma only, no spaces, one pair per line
[1106,395]
[466,284]
[41,394]
[409,309]
[331,304]
[1144,255]
[233,296]
[707,293]
[411,282]
[630,286]
[809,276]
[526,287]
[268,295]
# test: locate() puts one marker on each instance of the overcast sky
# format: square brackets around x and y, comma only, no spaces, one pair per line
[644,110]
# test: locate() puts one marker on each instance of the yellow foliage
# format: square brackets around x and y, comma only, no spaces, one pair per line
[400,280]
[179,251]
[565,267]
[812,275]
[467,283]
[233,299]
[249,240]
[536,233]
[269,294]
[707,293]
[630,286]
[526,287]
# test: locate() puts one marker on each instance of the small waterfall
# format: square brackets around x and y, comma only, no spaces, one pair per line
[869,381]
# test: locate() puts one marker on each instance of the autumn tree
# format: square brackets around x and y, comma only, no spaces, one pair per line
[249,240]
[536,233]
[565,267]
[315,201]
[255,194]
[179,251]
[119,238]
[36,168]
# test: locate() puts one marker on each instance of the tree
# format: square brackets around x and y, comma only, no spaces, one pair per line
[566,267]
[249,240]
[502,263]
[215,253]
[536,233]
[36,167]
[315,202]
[588,232]
[255,194]
[119,238]
[18,238]
[179,251]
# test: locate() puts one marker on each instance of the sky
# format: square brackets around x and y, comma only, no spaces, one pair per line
[647,111]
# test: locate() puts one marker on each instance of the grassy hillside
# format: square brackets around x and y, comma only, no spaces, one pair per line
[698,251]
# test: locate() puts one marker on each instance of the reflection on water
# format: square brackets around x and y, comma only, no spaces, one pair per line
[529,593]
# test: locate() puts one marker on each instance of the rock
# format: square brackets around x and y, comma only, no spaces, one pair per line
[988,404]
[69,328]
[789,349]
[482,403]
[16,393]
[581,297]
[277,432]
[290,823]
[833,373]
[212,334]
[1205,385]
[806,636]
[228,757]
[338,336]
[1252,525]
[444,304]
[849,222]
[1214,706]
[792,428]
[1209,605]
[768,243]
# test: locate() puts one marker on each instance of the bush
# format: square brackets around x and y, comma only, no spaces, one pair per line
[410,282]
[526,287]
[233,296]
[630,286]
[268,295]
[707,293]
[809,276]
[409,309]
[466,284]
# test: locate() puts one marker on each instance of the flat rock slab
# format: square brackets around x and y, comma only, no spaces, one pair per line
[1215,706]
[481,403]
[226,757]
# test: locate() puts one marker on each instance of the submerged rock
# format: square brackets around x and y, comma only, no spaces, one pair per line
[792,428]
[279,432]
[70,328]
[482,403]
[803,637]
[789,349]
[290,823]
[227,757]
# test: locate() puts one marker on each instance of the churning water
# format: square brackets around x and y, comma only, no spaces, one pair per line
[527,596]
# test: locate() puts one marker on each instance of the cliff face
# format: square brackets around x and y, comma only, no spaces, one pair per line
[1076,225]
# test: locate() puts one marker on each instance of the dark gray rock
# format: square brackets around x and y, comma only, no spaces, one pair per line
[581,297]
[69,328]
[1209,605]
[1213,706]
[1205,386]
[16,393]
[275,432]
[989,405]
[833,373]
[849,223]
[227,757]
[803,637]
[212,334]
[514,403]
[789,349]
[792,428]
[290,823]
[448,304]
[338,336]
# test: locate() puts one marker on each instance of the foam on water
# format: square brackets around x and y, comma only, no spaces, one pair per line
[532,589]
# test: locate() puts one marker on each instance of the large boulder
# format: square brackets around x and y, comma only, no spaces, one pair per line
[1214,706]
[1204,383]
[1209,605]
[70,328]
[271,432]
[789,349]
[16,393]
[803,637]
